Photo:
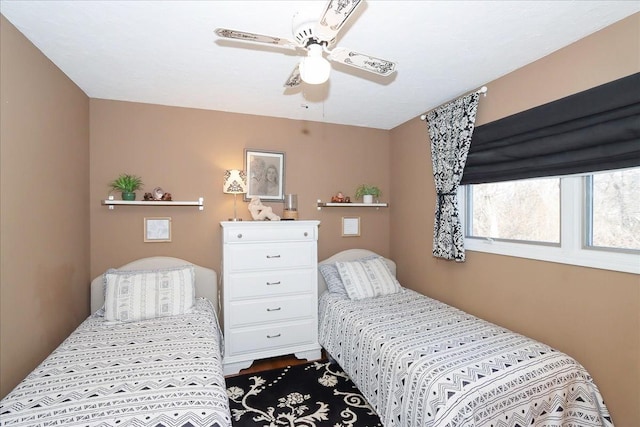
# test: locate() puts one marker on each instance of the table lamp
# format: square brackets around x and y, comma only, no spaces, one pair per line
[235,182]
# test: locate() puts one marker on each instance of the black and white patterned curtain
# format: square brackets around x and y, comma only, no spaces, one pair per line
[450,129]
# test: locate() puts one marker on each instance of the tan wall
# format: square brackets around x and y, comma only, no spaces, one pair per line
[185,151]
[593,315]
[44,194]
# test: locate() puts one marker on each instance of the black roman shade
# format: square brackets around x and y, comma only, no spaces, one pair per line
[594,130]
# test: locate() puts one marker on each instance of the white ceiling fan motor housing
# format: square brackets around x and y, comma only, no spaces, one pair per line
[305,31]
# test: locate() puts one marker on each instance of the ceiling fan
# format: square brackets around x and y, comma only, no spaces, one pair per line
[318,37]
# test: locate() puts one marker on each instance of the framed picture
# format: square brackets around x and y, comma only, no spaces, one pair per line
[265,175]
[350,226]
[157,229]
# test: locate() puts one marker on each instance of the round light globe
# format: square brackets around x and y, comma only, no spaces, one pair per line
[314,69]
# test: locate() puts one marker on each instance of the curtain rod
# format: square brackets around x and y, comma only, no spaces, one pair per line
[482,90]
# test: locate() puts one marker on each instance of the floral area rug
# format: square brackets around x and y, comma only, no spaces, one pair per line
[315,394]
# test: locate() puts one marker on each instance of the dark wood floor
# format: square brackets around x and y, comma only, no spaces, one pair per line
[274,363]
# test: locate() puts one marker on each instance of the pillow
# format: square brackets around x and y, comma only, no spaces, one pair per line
[332,278]
[136,295]
[367,278]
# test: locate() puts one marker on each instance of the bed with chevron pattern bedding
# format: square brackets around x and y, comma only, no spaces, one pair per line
[420,362]
[163,371]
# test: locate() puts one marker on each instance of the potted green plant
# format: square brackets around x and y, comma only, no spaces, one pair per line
[367,193]
[127,184]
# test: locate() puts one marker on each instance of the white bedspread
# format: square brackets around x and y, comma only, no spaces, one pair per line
[166,371]
[420,362]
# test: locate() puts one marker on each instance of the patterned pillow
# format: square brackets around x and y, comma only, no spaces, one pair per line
[332,278]
[367,278]
[138,295]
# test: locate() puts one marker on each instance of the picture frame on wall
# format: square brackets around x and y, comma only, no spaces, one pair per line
[157,229]
[265,175]
[350,226]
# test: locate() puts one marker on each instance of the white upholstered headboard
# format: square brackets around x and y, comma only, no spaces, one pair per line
[206,279]
[349,255]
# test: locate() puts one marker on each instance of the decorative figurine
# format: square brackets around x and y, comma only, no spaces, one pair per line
[157,195]
[260,212]
[340,198]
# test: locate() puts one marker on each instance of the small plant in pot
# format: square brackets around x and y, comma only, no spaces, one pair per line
[367,193]
[127,184]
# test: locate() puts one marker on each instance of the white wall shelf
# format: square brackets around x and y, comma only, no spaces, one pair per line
[112,203]
[322,204]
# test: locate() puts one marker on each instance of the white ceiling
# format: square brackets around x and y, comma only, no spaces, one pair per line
[165,52]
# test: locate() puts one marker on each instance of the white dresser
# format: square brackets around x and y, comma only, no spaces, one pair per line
[269,291]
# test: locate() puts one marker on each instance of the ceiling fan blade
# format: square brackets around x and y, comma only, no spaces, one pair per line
[252,37]
[362,61]
[294,78]
[335,15]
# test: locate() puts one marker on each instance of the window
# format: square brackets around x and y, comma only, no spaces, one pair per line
[589,220]
[613,210]
[527,209]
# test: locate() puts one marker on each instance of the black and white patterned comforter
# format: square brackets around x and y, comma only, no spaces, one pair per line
[165,371]
[420,362]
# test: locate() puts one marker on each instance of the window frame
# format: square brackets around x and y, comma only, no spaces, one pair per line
[468,226]
[589,217]
[572,249]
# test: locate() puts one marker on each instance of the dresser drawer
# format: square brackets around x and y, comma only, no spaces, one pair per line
[268,310]
[271,256]
[260,339]
[270,283]
[275,233]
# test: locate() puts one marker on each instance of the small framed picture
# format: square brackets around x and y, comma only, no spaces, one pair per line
[265,175]
[157,229]
[350,226]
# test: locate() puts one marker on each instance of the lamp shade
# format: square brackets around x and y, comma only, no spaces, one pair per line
[314,69]
[235,181]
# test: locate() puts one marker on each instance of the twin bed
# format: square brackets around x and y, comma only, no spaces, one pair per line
[155,360]
[142,360]
[420,362]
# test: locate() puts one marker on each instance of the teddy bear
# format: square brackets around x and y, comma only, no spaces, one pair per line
[260,212]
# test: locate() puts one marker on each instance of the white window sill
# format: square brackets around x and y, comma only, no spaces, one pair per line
[606,260]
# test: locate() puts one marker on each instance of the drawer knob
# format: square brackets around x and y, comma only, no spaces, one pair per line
[274,309]
[273,283]
[273,256]
[273,336]
[306,234]
[240,236]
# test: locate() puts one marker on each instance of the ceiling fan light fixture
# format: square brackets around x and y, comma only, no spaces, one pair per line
[314,69]
[318,38]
